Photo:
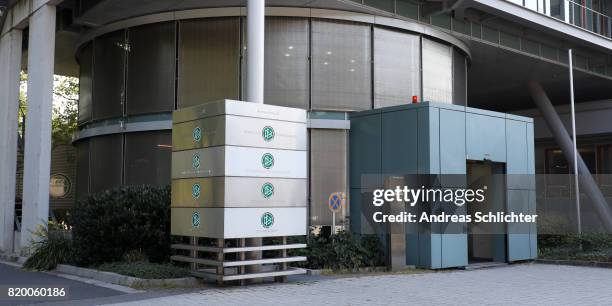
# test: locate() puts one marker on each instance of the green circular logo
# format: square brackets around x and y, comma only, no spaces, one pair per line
[195,219]
[197,134]
[267,190]
[267,133]
[195,190]
[195,161]
[267,220]
[267,161]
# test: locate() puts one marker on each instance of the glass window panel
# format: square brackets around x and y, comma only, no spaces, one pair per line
[437,72]
[341,66]
[286,63]
[147,158]
[85,83]
[208,60]
[397,71]
[443,21]
[461,26]
[106,162]
[328,167]
[491,35]
[151,69]
[109,70]
[549,52]
[459,78]
[385,5]
[82,166]
[407,8]
[476,30]
[510,40]
[530,46]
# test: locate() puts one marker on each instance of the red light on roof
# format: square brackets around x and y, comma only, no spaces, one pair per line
[415,99]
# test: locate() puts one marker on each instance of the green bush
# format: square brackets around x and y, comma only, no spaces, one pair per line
[343,251]
[146,270]
[108,225]
[51,246]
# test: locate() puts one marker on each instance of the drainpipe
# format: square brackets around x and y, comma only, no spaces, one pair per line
[564,141]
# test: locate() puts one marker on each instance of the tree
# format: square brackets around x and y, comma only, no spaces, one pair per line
[65,108]
[64,114]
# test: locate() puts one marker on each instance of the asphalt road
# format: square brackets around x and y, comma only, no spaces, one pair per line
[15,277]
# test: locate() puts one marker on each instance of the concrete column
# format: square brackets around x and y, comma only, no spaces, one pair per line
[256,11]
[41,51]
[10,66]
[564,141]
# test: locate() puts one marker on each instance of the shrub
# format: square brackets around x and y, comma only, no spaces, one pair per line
[343,251]
[108,225]
[146,270]
[50,247]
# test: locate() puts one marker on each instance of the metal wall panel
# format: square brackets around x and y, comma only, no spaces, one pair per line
[486,138]
[452,143]
[399,139]
[437,72]
[459,78]
[328,173]
[239,108]
[151,68]
[106,162]
[209,54]
[238,161]
[397,68]
[519,240]
[286,62]
[109,73]
[85,83]
[147,158]
[238,131]
[82,169]
[238,192]
[341,66]
[230,223]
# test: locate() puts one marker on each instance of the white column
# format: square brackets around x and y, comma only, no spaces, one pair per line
[37,163]
[256,10]
[10,66]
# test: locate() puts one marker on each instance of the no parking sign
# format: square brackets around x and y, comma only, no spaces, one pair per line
[336,201]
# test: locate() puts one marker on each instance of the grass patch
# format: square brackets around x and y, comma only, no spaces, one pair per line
[145,270]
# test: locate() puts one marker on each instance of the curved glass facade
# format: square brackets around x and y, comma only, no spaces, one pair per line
[321,65]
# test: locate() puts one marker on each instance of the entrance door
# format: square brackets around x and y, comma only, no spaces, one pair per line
[486,241]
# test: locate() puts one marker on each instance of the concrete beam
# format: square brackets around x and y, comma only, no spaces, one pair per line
[545,23]
[37,161]
[19,14]
[10,61]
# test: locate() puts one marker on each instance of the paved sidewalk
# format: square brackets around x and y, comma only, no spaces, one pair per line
[78,290]
[527,284]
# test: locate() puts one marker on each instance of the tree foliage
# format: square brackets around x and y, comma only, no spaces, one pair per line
[65,107]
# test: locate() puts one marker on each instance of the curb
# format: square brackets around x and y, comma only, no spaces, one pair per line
[579,263]
[123,280]
[14,258]
[359,270]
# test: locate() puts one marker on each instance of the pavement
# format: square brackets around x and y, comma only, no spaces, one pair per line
[13,276]
[526,284]
[521,284]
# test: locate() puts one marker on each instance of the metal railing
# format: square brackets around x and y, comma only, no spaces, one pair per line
[573,13]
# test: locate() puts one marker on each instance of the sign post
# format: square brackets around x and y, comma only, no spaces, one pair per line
[336,203]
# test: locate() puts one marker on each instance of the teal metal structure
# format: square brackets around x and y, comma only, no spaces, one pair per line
[432,138]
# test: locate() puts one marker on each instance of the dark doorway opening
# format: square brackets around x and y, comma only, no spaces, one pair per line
[487,241]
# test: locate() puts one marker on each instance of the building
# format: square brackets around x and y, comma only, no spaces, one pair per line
[138,61]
